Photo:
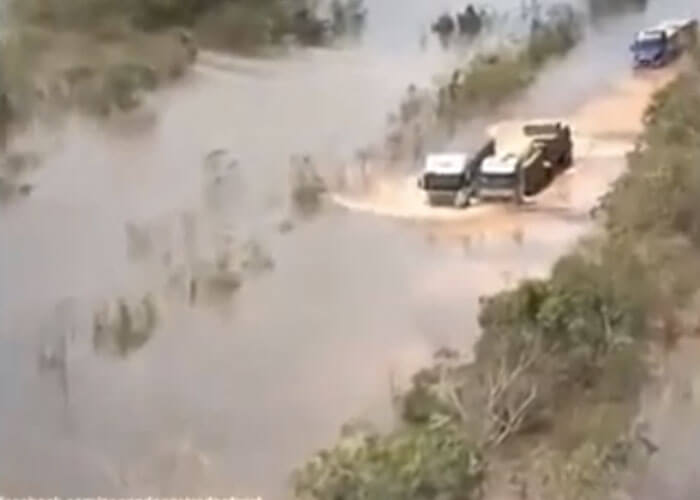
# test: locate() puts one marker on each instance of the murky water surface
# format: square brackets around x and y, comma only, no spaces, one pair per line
[226,398]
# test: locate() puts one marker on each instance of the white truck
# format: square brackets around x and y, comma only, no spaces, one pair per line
[529,157]
[659,45]
[449,178]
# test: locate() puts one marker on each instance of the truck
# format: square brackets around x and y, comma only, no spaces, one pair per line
[449,178]
[523,166]
[661,44]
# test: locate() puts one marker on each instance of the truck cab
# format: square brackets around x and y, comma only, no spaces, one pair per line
[449,178]
[554,138]
[651,48]
[499,178]
[661,44]
[530,156]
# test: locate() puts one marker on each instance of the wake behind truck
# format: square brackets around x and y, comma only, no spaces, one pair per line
[661,44]
[527,163]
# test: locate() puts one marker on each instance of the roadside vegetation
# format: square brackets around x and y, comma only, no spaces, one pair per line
[245,22]
[547,405]
[494,77]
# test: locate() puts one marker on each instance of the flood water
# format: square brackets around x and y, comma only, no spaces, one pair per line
[226,399]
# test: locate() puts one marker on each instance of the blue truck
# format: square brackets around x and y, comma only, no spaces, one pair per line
[657,46]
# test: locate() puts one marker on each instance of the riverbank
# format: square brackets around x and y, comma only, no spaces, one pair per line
[548,407]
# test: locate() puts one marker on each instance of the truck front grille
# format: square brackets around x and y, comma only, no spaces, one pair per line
[443,182]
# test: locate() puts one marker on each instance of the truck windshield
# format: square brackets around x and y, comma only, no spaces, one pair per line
[497,180]
[444,182]
[649,44]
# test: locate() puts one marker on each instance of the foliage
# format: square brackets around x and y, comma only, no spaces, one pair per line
[493,78]
[413,463]
[124,80]
[306,185]
[241,26]
[144,14]
[602,9]
[121,327]
[586,473]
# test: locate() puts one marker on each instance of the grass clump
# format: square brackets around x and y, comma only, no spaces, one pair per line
[242,26]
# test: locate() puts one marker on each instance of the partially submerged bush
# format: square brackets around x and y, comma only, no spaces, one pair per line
[122,327]
[231,24]
[240,26]
[556,34]
[307,186]
[254,259]
[123,83]
[15,174]
[98,91]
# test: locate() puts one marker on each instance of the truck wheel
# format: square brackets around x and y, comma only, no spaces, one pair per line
[518,196]
[569,159]
[461,199]
[549,173]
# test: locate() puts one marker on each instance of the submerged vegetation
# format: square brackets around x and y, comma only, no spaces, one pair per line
[552,392]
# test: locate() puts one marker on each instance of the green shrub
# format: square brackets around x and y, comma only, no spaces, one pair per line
[493,78]
[123,82]
[239,26]
[415,463]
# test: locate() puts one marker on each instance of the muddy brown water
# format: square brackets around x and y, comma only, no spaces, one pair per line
[227,399]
